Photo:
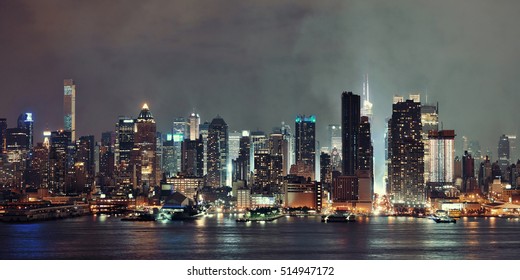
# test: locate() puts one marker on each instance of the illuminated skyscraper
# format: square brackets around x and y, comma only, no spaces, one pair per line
[145,147]
[430,122]
[512,148]
[441,159]
[243,162]
[124,144]
[3,127]
[406,149]
[217,153]
[335,137]
[180,132]
[69,107]
[59,165]
[194,123]
[504,153]
[350,119]
[203,130]
[305,140]
[25,121]
[367,105]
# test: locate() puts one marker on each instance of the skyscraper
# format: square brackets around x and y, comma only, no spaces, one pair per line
[441,159]
[365,148]
[430,122]
[58,163]
[335,137]
[504,154]
[124,144]
[217,153]
[192,157]
[305,139]
[243,162]
[367,105]
[406,169]
[25,121]
[3,127]
[204,130]
[194,123]
[145,147]
[350,119]
[69,107]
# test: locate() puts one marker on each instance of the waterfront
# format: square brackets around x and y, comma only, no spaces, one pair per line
[220,237]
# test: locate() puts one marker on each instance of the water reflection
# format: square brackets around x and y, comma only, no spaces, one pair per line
[220,237]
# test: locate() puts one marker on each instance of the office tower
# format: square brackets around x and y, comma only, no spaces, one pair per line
[217,153]
[69,107]
[406,149]
[485,177]
[367,105]
[326,169]
[288,152]
[85,153]
[25,121]
[234,144]
[513,156]
[204,130]
[180,132]
[17,145]
[3,127]
[168,152]
[39,176]
[350,119]
[262,168]
[243,170]
[335,138]
[145,148]
[365,148]
[430,122]
[194,123]
[276,164]
[59,164]
[106,158]
[124,145]
[469,183]
[441,159]
[192,157]
[305,140]
[503,153]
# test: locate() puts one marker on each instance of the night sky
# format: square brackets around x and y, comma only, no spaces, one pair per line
[257,63]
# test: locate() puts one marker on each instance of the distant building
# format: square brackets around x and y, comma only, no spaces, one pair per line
[504,155]
[218,152]
[145,149]
[305,139]
[406,149]
[350,119]
[194,123]
[69,107]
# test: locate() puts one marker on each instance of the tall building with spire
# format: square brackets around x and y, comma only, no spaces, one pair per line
[145,149]
[366,110]
[69,107]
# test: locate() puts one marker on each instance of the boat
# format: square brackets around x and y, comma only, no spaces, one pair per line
[442,217]
[242,220]
[339,216]
[139,217]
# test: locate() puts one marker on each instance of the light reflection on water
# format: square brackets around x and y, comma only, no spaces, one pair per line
[220,237]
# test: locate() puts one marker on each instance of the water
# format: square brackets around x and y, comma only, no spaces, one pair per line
[220,237]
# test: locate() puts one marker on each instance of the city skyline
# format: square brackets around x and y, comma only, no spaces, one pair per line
[250,63]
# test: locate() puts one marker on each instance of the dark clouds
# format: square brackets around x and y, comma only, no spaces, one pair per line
[259,63]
